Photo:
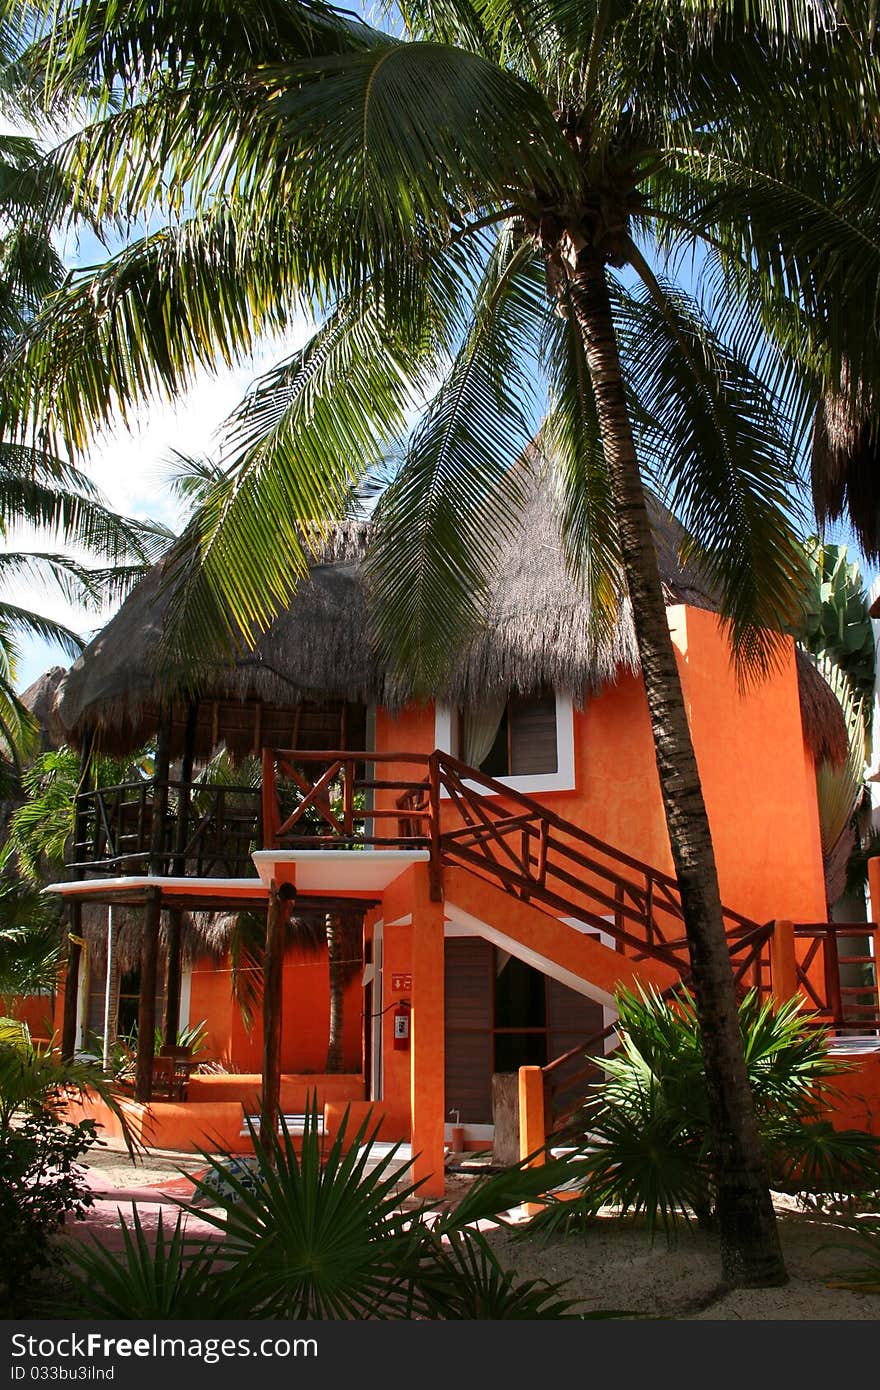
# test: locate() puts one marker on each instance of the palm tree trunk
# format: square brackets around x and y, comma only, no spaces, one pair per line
[750,1249]
[333,928]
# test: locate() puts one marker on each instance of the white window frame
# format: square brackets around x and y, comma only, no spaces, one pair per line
[562,780]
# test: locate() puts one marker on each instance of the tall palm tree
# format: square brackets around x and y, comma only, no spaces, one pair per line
[497,196]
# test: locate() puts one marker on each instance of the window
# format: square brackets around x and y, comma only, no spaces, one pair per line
[525,741]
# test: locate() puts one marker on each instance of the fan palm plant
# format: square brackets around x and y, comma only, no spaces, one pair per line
[495,198]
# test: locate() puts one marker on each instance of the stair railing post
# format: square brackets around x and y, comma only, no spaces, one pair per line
[783,962]
[533,1115]
[268,798]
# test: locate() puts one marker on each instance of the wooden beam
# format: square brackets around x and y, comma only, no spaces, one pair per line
[71,982]
[146,1042]
[273,974]
[74,947]
[146,1038]
[175,917]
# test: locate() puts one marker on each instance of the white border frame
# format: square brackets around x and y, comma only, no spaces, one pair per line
[562,780]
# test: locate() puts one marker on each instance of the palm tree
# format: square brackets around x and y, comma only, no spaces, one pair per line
[41,491]
[487,200]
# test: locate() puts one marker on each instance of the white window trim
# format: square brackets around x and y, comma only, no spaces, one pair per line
[562,780]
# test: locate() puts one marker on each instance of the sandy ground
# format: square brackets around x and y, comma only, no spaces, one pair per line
[614,1265]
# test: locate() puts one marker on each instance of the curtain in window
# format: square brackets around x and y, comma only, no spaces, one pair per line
[480,725]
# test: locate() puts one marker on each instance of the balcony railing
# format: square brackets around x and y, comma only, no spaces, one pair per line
[170,828]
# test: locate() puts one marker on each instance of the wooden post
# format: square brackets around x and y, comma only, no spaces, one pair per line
[532,1122]
[532,1115]
[146,1042]
[146,1039]
[833,996]
[505,1118]
[71,982]
[273,978]
[783,962]
[74,937]
[175,918]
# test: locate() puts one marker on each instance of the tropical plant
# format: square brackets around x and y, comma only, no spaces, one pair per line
[484,250]
[838,624]
[33,1082]
[40,828]
[323,1236]
[646,1125]
[41,1184]
[41,1181]
[30,943]
[163,1277]
[864,1242]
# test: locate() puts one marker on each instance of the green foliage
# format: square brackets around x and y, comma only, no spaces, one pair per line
[40,828]
[644,1134]
[837,623]
[41,1184]
[34,1082]
[30,943]
[338,1236]
[171,1277]
[864,1242]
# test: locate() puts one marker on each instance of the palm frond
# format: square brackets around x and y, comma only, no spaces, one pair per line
[720,458]
[439,523]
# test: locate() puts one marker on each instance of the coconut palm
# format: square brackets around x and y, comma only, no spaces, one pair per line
[39,490]
[486,201]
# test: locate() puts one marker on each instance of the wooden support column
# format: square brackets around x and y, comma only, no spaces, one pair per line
[146,1042]
[783,962]
[74,935]
[427,1036]
[280,904]
[146,1039]
[175,917]
[71,981]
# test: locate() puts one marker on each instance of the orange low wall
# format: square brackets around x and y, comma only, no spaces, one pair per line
[37,1011]
[211,1128]
[212,1117]
[857,1103]
[296,1088]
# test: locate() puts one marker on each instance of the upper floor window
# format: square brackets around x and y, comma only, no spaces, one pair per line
[526,741]
[512,738]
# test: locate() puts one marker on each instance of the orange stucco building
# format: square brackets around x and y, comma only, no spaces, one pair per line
[502,846]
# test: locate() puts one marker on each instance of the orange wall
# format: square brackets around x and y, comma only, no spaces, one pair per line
[757,777]
[38,1012]
[756,772]
[306,1014]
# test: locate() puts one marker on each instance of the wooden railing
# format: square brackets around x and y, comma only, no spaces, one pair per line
[828,970]
[463,818]
[468,819]
[208,830]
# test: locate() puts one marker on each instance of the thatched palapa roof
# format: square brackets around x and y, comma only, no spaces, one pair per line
[537,634]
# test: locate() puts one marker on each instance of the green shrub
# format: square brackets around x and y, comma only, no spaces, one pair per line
[303,1235]
[41,1185]
[643,1135]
